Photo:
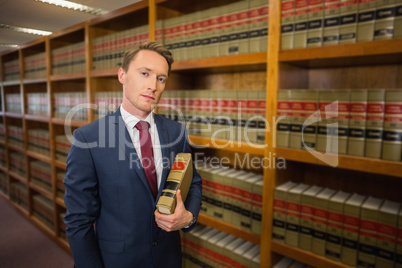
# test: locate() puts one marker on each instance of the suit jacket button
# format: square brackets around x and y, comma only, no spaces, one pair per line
[154,243]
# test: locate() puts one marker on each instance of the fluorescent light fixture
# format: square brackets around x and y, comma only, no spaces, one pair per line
[8,45]
[75,6]
[23,30]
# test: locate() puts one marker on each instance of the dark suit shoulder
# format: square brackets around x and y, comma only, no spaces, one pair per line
[93,130]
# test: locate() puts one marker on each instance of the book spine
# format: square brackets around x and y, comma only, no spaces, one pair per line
[256,213]
[392,139]
[300,25]
[339,133]
[386,243]
[367,242]
[283,121]
[350,237]
[331,22]
[309,129]
[398,250]
[287,24]
[366,20]
[398,21]
[315,23]
[374,123]
[279,218]
[334,237]
[306,225]
[320,221]
[348,21]
[385,17]
[357,124]
[292,220]
[296,119]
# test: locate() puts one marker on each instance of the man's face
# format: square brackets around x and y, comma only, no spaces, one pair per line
[144,82]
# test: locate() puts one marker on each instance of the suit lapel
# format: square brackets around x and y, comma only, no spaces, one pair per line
[164,141]
[127,151]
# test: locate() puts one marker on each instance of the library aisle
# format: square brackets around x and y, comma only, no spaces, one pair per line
[24,245]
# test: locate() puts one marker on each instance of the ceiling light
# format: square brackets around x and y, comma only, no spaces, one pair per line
[75,6]
[8,45]
[23,30]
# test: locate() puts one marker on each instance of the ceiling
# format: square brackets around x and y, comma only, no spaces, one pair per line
[42,16]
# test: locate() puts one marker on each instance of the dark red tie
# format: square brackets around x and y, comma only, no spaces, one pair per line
[147,155]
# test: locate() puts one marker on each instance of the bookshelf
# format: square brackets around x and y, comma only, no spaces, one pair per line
[367,65]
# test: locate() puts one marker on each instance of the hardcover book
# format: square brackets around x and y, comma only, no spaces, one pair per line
[283,122]
[287,24]
[374,123]
[348,21]
[392,139]
[368,232]
[306,217]
[301,21]
[180,177]
[357,123]
[293,214]
[279,217]
[334,229]
[320,221]
[366,20]
[331,22]
[387,231]
[350,229]
[385,17]
[315,23]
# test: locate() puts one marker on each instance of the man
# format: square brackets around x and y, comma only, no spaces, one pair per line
[111,218]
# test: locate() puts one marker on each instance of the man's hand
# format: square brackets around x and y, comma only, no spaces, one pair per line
[176,221]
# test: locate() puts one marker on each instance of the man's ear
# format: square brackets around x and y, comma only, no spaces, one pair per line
[122,76]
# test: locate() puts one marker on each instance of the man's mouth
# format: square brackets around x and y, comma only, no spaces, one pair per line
[148,97]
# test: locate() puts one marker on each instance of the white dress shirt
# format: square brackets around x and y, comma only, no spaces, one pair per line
[130,121]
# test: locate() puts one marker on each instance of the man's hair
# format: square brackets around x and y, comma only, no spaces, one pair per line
[130,54]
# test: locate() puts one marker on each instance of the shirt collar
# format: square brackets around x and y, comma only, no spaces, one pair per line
[131,120]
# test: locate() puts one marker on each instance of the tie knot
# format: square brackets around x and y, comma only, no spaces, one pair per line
[142,125]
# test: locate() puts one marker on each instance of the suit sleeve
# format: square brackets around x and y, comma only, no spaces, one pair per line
[194,195]
[82,203]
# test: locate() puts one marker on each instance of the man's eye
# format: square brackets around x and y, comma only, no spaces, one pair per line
[144,73]
[162,79]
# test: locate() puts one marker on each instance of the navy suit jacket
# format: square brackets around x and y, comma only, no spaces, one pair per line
[110,208]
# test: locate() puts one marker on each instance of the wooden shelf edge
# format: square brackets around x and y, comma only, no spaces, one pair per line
[40,157]
[363,164]
[40,118]
[223,61]
[41,190]
[364,49]
[60,164]
[226,145]
[228,228]
[72,76]
[305,256]
[11,83]
[104,73]
[14,115]
[60,202]
[34,80]
[17,177]
[60,121]
[68,30]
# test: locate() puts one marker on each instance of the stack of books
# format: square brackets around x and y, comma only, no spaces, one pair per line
[35,66]
[41,175]
[332,22]
[232,196]
[208,247]
[350,228]
[366,123]
[38,141]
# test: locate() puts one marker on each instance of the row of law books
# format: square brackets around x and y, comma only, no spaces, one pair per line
[69,59]
[68,105]
[365,123]
[12,70]
[13,103]
[3,183]
[37,104]
[236,28]
[108,50]
[235,115]
[233,196]
[354,229]
[35,66]
[107,102]
[41,175]
[16,136]
[332,22]
[43,210]
[63,146]
[18,163]
[38,141]
[208,247]
[60,185]
[19,194]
